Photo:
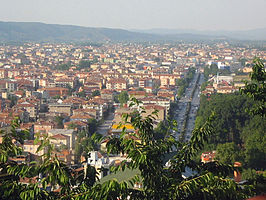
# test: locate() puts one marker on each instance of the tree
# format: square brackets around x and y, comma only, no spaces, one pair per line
[81,94]
[116,98]
[256,89]
[63,67]
[51,172]
[96,93]
[160,182]
[255,150]
[256,179]
[59,121]
[86,143]
[228,153]
[123,97]
[93,124]
[13,100]
[230,116]
[161,130]
[180,82]
[210,70]
[242,61]
[56,97]
[70,89]
[84,64]
[146,154]
[72,126]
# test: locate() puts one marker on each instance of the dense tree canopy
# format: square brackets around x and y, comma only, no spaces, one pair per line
[256,89]
[210,70]
[123,97]
[233,125]
[239,132]
[184,82]
[63,67]
[228,153]
[96,93]
[84,64]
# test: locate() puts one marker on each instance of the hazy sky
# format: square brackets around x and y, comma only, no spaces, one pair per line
[140,14]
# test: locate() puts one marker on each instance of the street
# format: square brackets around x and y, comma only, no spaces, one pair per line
[180,114]
[105,127]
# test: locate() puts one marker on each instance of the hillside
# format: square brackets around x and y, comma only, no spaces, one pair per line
[41,32]
[253,34]
[34,31]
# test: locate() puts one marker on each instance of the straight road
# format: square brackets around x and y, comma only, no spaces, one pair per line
[105,127]
[183,103]
[195,103]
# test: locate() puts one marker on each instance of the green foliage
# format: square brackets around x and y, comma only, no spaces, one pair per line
[243,61]
[72,126]
[160,182]
[96,93]
[84,64]
[228,153]
[258,179]
[93,124]
[70,90]
[146,154]
[13,100]
[50,173]
[86,143]
[123,97]
[59,121]
[249,174]
[224,72]
[232,124]
[255,150]
[116,98]
[203,86]
[210,70]
[184,82]
[56,97]
[256,89]
[81,94]
[63,67]
[161,130]
[246,133]
[191,72]
[230,116]
[181,90]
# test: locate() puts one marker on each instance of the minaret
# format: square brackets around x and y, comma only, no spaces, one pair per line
[217,79]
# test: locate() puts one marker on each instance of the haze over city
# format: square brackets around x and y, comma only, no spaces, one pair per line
[137,14]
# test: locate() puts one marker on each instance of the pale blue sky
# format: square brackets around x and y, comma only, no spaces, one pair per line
[140,14]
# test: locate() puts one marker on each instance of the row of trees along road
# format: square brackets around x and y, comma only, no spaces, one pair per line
[147,155]
[183,83]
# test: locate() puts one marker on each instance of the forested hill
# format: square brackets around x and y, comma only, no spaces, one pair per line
[41,32]
[33,31]
[238,136]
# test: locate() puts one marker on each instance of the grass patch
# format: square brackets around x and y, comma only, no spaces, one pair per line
[121,175]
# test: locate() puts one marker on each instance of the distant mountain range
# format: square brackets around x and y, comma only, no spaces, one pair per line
[253,34]
[41,32]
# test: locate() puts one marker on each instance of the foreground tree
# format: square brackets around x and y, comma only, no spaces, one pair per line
[256,89]
[160,182]
[148,154]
